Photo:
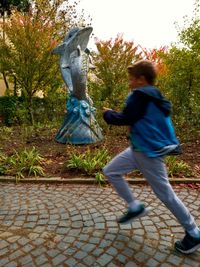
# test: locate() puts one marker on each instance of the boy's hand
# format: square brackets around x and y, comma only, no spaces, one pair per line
[106,109]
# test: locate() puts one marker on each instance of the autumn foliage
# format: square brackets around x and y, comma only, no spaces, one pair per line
[154,55]
[110,85]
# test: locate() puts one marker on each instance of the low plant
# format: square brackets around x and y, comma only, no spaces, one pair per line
[177,167]
[3,159]
[100,178]
[5,133]
[26,162]
[90,162]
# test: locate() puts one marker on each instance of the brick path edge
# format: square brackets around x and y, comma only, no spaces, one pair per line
[8,179]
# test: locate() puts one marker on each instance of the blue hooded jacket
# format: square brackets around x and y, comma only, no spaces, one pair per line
[147,113]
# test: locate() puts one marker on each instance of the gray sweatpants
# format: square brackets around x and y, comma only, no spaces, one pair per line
[154,170]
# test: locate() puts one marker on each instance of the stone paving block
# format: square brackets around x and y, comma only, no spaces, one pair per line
[63,245]
[30,264]
[58,259]
[13,239]
[191,262]
[80,255]
[27,248]
[165,265]
[94,240]
[152,263]
[4,261]
[30,225]
[80,265]
[105,243]
[42,222]
[11,264]
[53,252]
[13,247]
[4,251]
[121,258]
[174,260]
[70,251]
[18,223]
[112,251]
[97,251]
[104,259]
[3,244]
[46,265]
[131,264]
[26,259]
[5,235]
[89,260]
[33,236]
[84,237]
[39,229]
[32,218]
[78,244]
[128,252]
[15,255]
[38,251]
[118,245]
[88,247]
[41,259]
[141,257]
[38,241]
[74,232]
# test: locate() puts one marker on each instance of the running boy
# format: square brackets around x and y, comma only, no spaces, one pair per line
[152,136]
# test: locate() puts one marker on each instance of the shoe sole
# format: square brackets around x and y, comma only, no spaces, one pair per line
[144,213]
[188,251]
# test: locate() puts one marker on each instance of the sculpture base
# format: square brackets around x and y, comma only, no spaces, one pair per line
[79,126]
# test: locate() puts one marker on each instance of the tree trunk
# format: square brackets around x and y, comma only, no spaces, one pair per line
[6,83]
[30,109]
[15,85]
[4,75]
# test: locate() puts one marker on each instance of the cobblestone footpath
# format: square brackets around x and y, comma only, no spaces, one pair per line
[75,225]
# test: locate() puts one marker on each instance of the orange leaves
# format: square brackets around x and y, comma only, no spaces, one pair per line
[154,55]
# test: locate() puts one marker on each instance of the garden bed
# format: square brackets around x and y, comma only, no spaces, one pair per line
[57,155]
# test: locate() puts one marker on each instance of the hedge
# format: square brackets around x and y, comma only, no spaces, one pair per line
[14,110]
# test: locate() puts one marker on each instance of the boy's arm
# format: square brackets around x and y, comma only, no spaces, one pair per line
[133,111]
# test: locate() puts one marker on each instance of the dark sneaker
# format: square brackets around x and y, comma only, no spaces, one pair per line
[129,216]
[188,244]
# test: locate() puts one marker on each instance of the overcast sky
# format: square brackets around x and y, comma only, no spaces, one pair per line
[149,23]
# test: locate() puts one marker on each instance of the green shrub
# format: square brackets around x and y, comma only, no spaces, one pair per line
[26,162]
[7,109]
[2,163]
[5,133]
[177,167]
[14,110]
[91,162]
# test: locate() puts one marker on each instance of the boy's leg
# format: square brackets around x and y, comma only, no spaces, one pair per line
[121,164]
[114,170]
[154,170]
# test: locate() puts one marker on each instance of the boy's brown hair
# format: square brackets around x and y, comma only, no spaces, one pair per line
[143,68]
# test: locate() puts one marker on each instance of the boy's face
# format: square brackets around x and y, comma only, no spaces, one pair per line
[135,82]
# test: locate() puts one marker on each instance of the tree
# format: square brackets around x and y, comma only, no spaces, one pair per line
[109,85]
[6,7]
[26,52]
[183,63]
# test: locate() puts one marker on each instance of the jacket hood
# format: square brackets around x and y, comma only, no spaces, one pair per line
[157,98]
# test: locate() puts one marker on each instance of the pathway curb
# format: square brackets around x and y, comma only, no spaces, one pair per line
[51,180]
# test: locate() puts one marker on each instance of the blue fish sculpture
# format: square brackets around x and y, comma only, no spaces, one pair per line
[79,126]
